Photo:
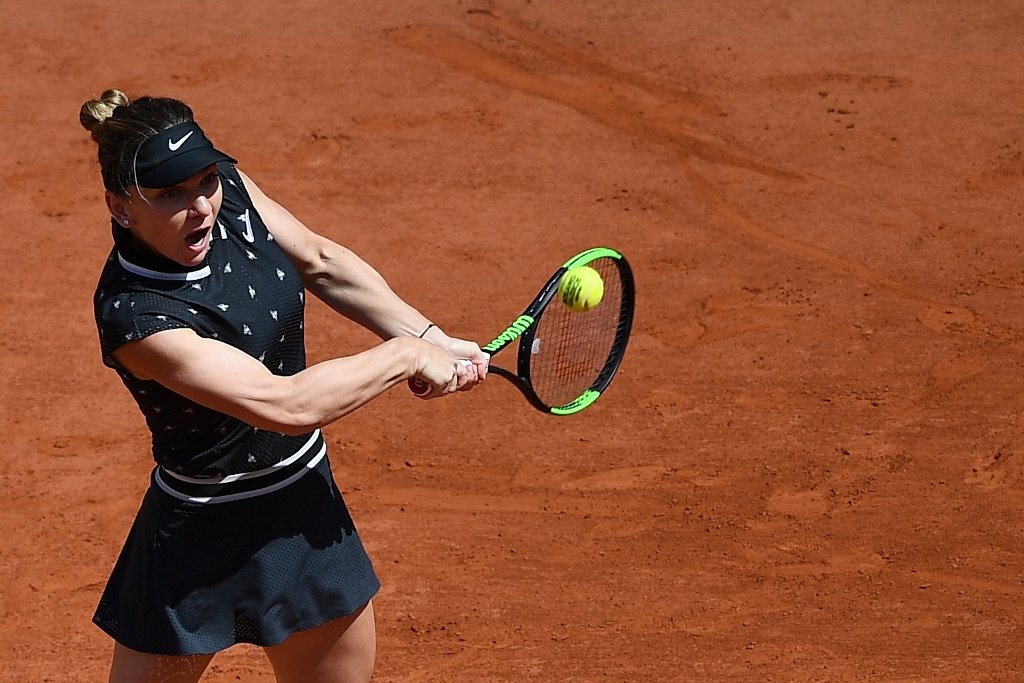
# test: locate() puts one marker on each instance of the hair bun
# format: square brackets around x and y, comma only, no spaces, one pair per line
[97,110]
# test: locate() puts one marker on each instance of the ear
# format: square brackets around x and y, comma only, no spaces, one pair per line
[120,208]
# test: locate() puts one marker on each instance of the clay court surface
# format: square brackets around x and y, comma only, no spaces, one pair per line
[811,466]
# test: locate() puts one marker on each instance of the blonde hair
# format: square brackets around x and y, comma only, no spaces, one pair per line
[120,127]
[97,110]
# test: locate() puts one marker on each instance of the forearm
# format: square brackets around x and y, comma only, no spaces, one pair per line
[324,392]
[353,288]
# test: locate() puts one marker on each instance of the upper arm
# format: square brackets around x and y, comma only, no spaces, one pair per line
[335,274]
[213,374]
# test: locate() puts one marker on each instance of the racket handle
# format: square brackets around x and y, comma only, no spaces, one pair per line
[421,387]
[418,386]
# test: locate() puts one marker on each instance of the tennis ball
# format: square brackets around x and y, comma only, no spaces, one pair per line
[581,289]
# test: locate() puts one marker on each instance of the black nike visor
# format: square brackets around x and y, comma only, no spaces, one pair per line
[175,155]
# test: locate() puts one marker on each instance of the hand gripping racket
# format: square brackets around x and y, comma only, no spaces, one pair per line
[567,359]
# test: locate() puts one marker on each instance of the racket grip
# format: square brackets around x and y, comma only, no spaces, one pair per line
[421,387]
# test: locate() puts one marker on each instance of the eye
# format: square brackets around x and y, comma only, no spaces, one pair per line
[211,179]
[170,193]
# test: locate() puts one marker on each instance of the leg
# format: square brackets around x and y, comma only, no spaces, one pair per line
[340,651]
[129,666]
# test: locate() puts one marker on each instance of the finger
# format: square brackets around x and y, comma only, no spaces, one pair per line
[468,378]
[465,373]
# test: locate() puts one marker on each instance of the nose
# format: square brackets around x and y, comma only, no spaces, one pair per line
[201,207]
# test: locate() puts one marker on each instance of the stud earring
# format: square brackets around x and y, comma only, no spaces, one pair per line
[125,221]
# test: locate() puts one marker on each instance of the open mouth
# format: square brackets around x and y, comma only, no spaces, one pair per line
[198,240]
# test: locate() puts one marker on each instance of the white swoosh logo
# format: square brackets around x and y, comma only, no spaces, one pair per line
[175,145]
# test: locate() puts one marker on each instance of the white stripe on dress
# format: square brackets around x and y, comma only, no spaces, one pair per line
[244,494]
[228,478]
[159,275]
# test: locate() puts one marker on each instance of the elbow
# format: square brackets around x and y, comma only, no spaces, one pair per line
[297,404]
[292,422]
[286,411]
[296,429]
[319,270]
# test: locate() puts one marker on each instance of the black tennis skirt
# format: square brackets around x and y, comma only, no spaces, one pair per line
[199,577]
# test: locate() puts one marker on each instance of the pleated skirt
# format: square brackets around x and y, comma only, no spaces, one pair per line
[197,578]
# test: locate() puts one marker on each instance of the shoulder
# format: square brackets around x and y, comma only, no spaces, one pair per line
[231,176]
[235,192]
[126,310]
[302,246]
[239,213]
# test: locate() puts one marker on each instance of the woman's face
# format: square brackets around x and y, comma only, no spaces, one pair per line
[175,222]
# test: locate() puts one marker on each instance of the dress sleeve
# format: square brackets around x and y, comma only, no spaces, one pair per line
[129,316]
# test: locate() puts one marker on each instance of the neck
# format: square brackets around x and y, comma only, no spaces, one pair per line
[138,252]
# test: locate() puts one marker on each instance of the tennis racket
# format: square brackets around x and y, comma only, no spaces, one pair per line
[566,359]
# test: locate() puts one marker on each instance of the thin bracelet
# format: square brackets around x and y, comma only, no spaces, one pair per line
[427,329]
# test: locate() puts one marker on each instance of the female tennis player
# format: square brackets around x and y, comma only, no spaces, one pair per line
[243,536]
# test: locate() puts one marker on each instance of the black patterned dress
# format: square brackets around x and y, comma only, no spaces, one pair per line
[243,535]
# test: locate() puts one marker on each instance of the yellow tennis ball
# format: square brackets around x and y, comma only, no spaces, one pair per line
[581,289]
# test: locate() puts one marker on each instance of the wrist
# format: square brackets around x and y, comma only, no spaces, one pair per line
[411,354]
[435,335]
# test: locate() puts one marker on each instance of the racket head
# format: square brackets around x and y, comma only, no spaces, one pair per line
[567,359]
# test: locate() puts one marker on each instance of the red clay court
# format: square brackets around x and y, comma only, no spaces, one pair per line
[811,466]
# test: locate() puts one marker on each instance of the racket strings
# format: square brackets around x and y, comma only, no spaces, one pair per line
[570,350]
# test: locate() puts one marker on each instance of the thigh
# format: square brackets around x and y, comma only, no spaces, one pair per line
[340,651]
[129,666]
